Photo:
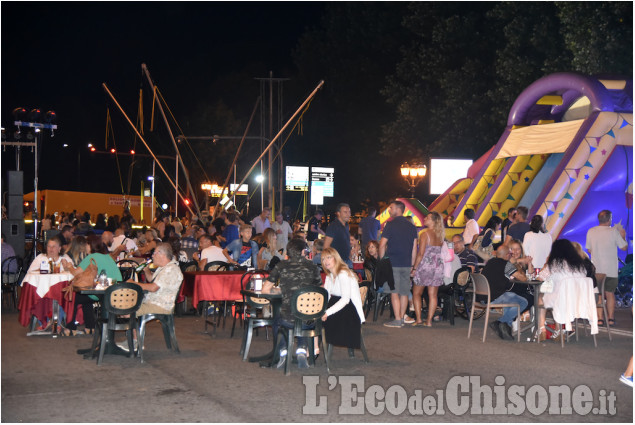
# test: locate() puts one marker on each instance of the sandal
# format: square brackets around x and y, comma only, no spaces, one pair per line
[611,322]
[601,322]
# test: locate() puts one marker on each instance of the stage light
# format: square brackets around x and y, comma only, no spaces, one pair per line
[132,152]
[113,150]
[93,149]
[35,115]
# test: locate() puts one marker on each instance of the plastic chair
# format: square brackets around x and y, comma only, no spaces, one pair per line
[128,269]
[363,293]
[481,287]
[217,266]
[601,280]
[123,298]
[253,318]
[11,280]
[181,301]
[167,323]
[307,304]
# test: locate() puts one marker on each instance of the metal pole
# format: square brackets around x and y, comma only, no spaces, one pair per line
[176,190]
[35,197]
[146,145]
[319,86]
[176,148]
[270,199]
[152,196]
[262,199]
[235,185]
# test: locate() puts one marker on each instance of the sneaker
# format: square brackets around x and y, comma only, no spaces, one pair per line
[124,345]
[628,380]
[394,324]
[408,320]
[496,327]
[506,329]
[283,359]
[514,327]
[302,358]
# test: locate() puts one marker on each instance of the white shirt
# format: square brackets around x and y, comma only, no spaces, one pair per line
[602,242]
[260,225]
[131,246]
[37,261]
[213,253]
[538,247]
[471,229]
[346,287]
[283,235]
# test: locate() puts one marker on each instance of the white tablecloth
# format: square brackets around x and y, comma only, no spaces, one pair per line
[43,282]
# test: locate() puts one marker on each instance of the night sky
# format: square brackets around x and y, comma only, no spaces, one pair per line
[57,55]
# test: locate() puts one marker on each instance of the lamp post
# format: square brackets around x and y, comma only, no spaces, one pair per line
[151,178]
[413,175]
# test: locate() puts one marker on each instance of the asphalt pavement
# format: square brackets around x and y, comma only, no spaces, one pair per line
[414,375]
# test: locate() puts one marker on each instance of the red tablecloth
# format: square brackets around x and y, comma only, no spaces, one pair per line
[41,307]
[211,286]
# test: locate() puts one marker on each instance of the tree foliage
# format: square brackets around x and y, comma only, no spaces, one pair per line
[467,62]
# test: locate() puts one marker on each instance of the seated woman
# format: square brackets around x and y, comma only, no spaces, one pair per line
[356,250]
[268,257]
[524,265]
[53,254]
[97,251]
[484,249]
[537,242]
[371,257]
[344,317]
[563,262]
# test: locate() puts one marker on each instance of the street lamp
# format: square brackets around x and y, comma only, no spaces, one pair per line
[413,175]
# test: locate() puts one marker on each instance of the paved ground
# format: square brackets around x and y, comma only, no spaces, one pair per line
[44,380]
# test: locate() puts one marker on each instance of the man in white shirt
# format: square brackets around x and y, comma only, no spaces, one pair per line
[601,242]
[120,240]
[209,252]
[283,232]
[262,222]
[471,227]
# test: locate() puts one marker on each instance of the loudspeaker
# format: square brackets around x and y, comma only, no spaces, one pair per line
[15,210]
[16,182]
[13,231]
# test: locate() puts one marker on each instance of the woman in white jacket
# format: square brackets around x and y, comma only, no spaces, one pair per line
[345,314]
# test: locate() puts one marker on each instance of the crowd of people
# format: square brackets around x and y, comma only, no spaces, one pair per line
[401,261]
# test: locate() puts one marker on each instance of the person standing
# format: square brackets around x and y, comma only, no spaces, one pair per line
[262,222]
[399,243]
[471,227]
[314,226]
[601,242]
[369,227]
[283,232]
[509,220]
[338,236]
[519,228]
[429,266]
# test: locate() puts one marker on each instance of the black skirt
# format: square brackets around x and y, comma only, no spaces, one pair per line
[343,328]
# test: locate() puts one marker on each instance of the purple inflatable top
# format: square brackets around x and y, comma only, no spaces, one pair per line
[571,86]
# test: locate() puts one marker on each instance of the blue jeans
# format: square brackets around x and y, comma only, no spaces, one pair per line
[303,342]
[509,313]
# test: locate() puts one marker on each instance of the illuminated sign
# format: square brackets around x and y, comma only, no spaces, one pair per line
[215,190]
[322,183]
[297,179]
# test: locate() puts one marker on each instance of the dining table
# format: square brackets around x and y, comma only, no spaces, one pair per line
[40,299]
[535,284]
[211,286]
[275,299]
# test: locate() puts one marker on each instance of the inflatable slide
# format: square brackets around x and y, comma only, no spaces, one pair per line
[566,153]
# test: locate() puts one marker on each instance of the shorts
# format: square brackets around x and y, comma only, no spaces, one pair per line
[610,284]
[402,281]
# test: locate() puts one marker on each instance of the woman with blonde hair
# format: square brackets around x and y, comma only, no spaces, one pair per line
[429,265]
[269,241]
[344,317]
[78,250]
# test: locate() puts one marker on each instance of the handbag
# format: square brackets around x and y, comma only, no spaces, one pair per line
[547,286]
[484,252]
[84,280]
